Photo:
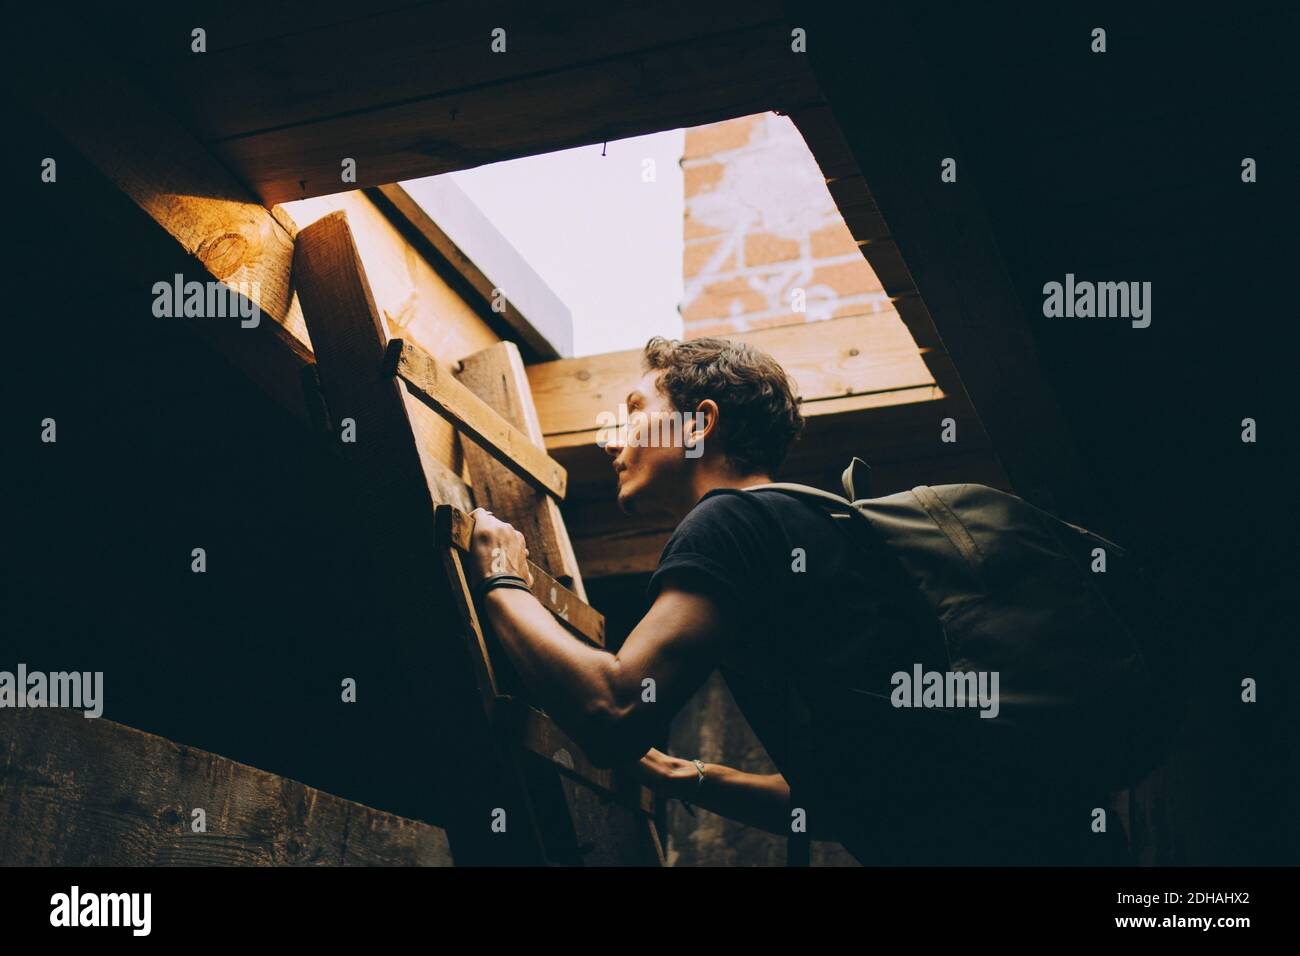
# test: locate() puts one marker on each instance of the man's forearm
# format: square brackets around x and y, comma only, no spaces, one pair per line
[573,682]
[757,800]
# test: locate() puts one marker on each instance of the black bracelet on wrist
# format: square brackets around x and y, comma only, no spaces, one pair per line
[493,581]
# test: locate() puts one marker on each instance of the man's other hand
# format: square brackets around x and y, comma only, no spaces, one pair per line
[496,548]
[664,774]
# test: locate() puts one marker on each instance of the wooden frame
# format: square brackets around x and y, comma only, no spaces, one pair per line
[446,396]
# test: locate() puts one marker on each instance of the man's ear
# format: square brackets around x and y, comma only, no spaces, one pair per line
[704,423]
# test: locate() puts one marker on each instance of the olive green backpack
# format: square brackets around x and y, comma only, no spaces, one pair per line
[1051,607]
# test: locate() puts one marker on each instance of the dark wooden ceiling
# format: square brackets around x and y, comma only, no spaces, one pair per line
[283,96]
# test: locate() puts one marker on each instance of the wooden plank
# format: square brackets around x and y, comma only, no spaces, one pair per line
[573,612]
[231,237]
[449,398]
[700,81]
[612,555]
[397,203]
[945,375]
[497,376]
[540,735]
[395,500]
[455,528]
[887,262]
[858,209]
[414,297]
[415,301]
[328,268]
[826,142]
[425,50]
[174,179]
[853,355]
[220,230]
[916,316]
[485,679]
[77,792]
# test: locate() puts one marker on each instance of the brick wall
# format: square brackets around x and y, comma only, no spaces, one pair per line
[760,224]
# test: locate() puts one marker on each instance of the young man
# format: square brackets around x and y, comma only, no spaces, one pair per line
[805,621]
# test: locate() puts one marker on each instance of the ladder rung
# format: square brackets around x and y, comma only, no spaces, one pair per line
[456,403]
[454,529]
[533,730]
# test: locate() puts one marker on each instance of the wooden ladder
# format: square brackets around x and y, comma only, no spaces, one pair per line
[515,790]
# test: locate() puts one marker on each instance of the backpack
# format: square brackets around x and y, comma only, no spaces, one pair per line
[1045,604]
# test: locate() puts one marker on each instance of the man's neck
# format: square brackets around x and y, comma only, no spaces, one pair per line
[704,480]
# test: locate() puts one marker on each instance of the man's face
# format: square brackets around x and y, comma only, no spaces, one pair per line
[650,461]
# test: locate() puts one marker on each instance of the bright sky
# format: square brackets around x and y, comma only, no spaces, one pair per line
[607,241]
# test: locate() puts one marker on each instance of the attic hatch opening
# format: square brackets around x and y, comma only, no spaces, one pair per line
[720,229]
[589,238]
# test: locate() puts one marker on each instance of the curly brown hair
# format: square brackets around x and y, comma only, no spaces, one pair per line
[759,417]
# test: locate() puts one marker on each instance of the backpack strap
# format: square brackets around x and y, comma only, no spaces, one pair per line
[842,509]
[806,491]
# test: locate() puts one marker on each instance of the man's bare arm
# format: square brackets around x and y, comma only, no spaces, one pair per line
[616,706]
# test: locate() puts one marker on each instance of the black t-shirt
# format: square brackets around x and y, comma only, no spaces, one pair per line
[818,620]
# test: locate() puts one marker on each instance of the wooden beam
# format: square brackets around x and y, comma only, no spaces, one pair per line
[837,358]
[887,262]
[497,375]
[420,51]
[429,236]
[455,528]
[449,398]
[916,316]
[227,235]
[542,737]
[824,138]
[614,555]
[77,792]
[858,209]
[699,80]
[176,180]
[221,232]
